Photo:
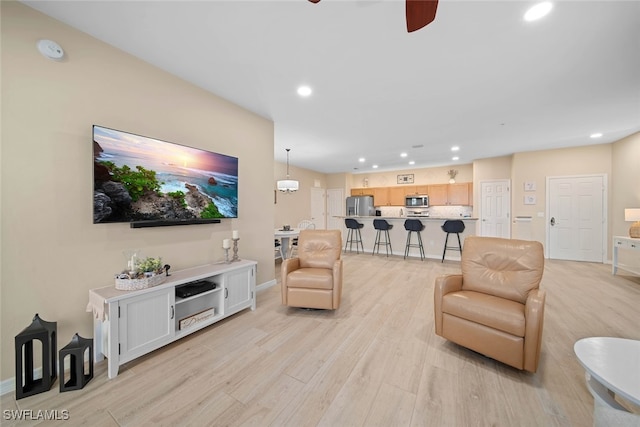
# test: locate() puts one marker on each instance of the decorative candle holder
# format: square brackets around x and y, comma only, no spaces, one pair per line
[235,250]
[226,256]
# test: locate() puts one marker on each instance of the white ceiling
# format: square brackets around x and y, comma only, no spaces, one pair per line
[478,77]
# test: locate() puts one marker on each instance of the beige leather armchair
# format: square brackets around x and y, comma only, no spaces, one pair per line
[314,278]
[495,307]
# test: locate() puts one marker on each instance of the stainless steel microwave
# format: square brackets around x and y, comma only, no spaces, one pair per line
[416,201]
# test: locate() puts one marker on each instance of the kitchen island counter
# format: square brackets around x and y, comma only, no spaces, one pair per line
[432,236]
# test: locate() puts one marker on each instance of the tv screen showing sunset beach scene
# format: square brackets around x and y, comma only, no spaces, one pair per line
[141,179]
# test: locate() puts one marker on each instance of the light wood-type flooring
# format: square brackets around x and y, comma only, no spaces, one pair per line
[376,361]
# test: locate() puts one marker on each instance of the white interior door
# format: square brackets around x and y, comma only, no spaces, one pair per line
[318,208]
[577,217]
[335,208]
[495,208]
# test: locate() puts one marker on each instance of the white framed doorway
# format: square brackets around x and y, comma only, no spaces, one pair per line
[335,208]
[576,215]
[495,208]
[318,208]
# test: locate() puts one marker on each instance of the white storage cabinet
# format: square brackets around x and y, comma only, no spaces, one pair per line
[134,323]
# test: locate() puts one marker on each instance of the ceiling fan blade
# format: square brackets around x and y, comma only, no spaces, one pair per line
[419,13]
[314,1]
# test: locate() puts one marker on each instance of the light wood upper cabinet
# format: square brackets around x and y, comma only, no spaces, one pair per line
[438,194]
[459,194]
[380,196]
[361,192]
[451,194]
[397,196]
[422,189]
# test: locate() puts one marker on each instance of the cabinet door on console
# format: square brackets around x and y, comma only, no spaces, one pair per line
[145,323]
[238,291]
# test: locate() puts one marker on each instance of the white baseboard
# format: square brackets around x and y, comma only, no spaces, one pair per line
[7,386]
[266,285]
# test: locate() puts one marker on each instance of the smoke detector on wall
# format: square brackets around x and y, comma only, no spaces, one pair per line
[50,49]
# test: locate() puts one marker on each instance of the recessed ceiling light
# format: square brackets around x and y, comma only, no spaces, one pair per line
[375,166]
[304,91]
[455,158]
[403,154]
[412,162]
[455,148]
[538,11]
[596,135]
[361,159]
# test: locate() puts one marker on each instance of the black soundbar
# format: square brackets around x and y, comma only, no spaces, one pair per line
[166,223]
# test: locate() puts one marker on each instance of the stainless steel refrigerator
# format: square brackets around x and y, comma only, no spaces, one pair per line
[360,206]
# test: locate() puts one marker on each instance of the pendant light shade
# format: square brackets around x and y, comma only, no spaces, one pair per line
[288,185]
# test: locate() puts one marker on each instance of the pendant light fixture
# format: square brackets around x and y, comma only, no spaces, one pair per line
[288,185]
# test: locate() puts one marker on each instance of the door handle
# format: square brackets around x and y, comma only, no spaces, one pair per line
[173,312]
[553,221]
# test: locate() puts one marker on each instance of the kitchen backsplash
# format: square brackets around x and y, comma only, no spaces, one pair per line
[434,211]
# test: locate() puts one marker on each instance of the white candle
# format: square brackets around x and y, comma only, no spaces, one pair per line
[235,234]
[226,244]
[133,263]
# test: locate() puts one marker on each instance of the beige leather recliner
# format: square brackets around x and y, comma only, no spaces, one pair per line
[495,307]
[314,278]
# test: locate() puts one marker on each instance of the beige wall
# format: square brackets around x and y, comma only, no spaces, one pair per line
[291,208]
[625,185]
[538,165]
[52,254]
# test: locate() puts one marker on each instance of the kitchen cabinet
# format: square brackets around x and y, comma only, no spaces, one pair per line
[417,189]
[361,192]
[397,195]
[459,194]
[438,194]
[380,196]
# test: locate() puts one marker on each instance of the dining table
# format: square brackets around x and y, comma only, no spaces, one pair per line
[285,237]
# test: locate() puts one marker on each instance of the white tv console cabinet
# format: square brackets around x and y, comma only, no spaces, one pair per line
[129,324]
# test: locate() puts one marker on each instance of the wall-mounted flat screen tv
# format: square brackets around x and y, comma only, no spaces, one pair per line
[148,182]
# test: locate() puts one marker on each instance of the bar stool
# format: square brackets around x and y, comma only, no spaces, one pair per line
[382,225]
[414,226]
[353,235]
[450,227]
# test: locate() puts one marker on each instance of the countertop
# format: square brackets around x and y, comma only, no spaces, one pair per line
[421,218]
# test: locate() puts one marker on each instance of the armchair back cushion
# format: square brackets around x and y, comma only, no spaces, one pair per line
[313,279]
[319,248]
[486,269]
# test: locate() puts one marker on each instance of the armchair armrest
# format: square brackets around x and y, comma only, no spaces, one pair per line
[534,320]
[288,265]
[337,283]
[443,286]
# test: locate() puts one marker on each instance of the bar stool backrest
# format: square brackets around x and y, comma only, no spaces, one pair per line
[352,223]
[453,226]
[413,225]
[380,224]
